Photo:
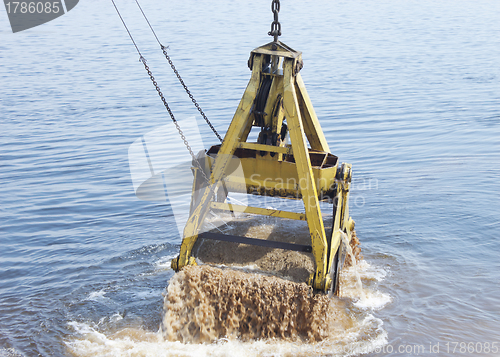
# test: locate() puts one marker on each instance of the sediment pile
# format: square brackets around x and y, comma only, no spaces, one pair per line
[291,265]
[204,304]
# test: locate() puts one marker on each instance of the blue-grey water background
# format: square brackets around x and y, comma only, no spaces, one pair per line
[408,92]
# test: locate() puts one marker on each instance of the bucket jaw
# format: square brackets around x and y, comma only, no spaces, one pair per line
[291,159]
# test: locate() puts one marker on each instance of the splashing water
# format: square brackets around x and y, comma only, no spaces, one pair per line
[365,298]
[347,245]
[229,321]
[228,310]
[363,338]
[204,304]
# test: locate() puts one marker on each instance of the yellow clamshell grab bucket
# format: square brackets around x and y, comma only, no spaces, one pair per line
[277,102]
[289,159]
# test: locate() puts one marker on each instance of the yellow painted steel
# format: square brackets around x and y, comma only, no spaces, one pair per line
[270,148]
[231,141]
[258,210]
[306,176]
[279,178]
[312,128]
[335,243]
[305,169]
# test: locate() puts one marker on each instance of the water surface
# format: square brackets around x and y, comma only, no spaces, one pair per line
[408,92]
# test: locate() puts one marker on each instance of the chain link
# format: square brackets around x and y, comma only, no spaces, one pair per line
[195,161]
[143,60]
[275,25]
[164,49]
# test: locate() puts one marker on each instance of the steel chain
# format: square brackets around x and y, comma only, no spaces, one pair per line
[143,60]
[195,161]
[164,49]
[275,25]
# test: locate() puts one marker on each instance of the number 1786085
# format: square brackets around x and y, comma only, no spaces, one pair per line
[33,7]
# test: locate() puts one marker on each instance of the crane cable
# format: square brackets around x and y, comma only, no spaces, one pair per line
[183,137]
[164,50]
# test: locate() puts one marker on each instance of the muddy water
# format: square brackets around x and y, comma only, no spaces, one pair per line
[204,304]
[252,292]
[215,311]
[258,294]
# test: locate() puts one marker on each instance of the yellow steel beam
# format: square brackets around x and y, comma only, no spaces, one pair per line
[278,49]
[262,147]
[238,126]
[248,128]
[312,127]
[278,116]
[276,88]
[306,177]
[258,210]
[335,242]
[345,192]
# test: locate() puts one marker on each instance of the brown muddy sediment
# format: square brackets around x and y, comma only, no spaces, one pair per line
[356,250]
[206,303]
[295,266]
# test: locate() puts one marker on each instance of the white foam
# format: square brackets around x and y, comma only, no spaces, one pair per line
[116,317]
[136,342]
[358,345]
[371,272]
[364,298]
[81,328]
[96,295]
[247,268]
[374,300]
[164,262]
[10,352]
